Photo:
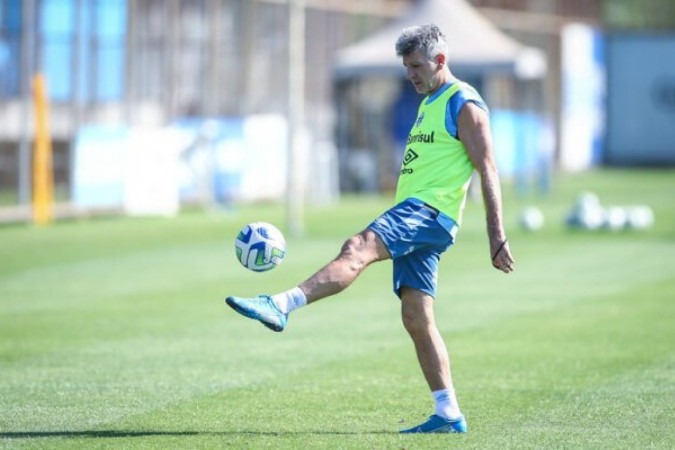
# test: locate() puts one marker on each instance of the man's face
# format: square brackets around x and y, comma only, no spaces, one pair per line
[422,72]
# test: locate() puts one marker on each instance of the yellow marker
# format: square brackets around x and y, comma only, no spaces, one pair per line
[43,177]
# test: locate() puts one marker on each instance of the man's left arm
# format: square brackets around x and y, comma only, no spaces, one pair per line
[474,132]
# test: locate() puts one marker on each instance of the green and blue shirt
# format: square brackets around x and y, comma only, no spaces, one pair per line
[436,168]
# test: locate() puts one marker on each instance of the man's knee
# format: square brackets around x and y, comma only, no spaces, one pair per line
[414,323]
[353,246]
[416,312]
[355,254]
[363,248]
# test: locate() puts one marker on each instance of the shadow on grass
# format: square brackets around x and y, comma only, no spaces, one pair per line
[132,433]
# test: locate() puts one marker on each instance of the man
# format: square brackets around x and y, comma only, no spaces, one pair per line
[448,141]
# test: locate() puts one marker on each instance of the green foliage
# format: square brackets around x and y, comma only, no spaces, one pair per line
[645,14]
[113,334]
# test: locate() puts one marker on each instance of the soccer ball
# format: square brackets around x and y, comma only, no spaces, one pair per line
[531,218]
[616,218]
[587,213]
[640,217]
[260,246]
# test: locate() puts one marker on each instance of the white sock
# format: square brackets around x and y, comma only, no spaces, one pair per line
[290,300]
[446,404]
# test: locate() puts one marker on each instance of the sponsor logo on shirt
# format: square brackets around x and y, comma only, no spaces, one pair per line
[409,157]
[421,137]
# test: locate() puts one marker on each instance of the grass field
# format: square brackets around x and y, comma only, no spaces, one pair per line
[113,334]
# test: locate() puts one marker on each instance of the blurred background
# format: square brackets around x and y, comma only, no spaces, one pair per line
[150,106]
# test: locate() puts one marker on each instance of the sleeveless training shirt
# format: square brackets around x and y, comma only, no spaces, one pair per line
[436,168]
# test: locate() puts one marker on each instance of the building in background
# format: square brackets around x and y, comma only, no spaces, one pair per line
[131,63]
[125,64]
[641,99]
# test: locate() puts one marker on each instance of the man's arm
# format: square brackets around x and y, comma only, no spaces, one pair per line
[474,132]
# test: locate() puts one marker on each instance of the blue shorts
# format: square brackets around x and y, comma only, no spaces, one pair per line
[415,234]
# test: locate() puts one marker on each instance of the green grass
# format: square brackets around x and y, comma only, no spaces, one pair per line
[113,334]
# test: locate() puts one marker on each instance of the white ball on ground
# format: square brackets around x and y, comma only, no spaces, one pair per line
[615,218]
[587,213]
[589,217]
[640,217]
[531,218]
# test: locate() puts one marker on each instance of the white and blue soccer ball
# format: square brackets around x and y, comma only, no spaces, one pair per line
[260,246]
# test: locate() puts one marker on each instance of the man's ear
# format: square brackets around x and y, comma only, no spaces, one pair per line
[440,59]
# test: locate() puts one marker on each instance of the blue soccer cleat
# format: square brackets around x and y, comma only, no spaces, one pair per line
[260,308]
[437,424]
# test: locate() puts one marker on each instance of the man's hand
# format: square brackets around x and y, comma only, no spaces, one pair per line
[502,258]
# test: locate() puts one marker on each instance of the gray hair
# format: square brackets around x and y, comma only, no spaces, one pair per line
[428,39]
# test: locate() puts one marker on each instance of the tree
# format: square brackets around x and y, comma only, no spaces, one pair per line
[645,14]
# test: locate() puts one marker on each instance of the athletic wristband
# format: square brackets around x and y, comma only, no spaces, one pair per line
[499,249]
